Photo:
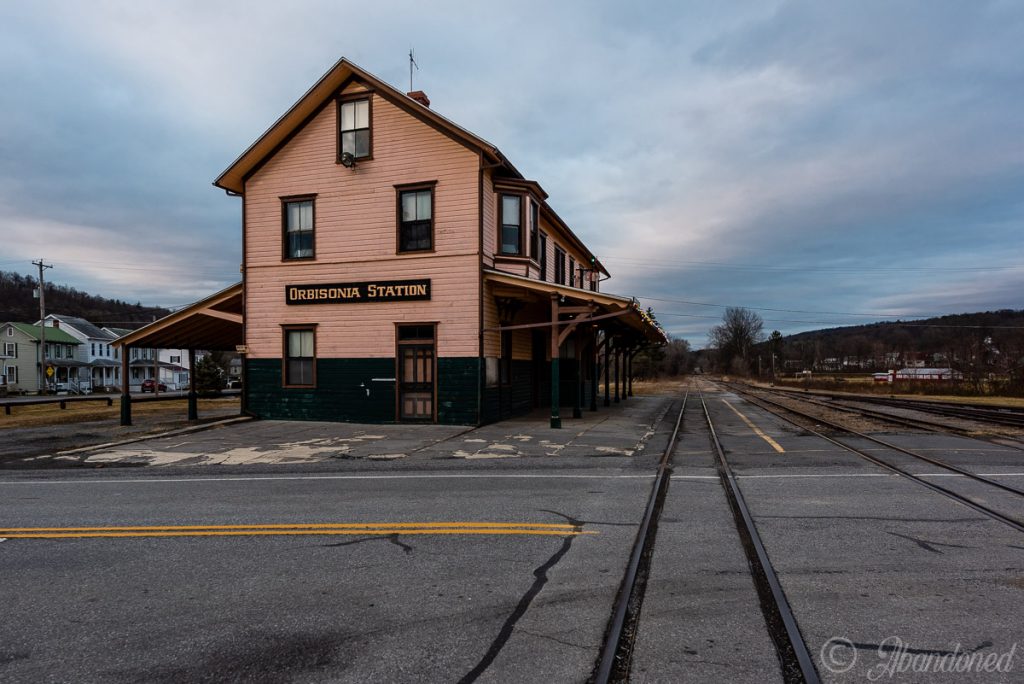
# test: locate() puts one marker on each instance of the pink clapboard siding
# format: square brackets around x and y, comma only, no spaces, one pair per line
[356,237]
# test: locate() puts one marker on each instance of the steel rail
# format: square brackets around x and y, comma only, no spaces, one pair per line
[617,650]
[960,498]
[895,447]
[870,413]
[984,415]
[794,657]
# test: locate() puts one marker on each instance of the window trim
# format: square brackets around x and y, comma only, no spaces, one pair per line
[414,187]
[501,215]
[542,264]
[559,265]
[344,98]
[294,327]
[534,229]
[285,201]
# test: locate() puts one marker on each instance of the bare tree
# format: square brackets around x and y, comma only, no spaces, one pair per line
[739,331]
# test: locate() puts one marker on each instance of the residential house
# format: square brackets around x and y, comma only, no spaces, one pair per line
[20,361]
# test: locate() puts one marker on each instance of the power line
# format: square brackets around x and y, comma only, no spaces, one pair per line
[659,314]
[800,311]
[827,269]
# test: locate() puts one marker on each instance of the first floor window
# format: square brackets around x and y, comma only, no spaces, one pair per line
[300,357]
[511,224]
[416,220]
[298,229]
[12,375]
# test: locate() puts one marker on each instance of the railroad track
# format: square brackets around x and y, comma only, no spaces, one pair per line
[905,421]
[794,657]
[795,660]
[998,415]
[616,653]
[779,410]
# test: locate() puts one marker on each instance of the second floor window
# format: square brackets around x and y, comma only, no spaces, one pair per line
[572,272]
[511,224]
[534,231]
[416,219]
[355,128]
[559,266]
[543,258]
[298,228]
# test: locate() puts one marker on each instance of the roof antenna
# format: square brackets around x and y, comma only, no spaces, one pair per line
[412,63]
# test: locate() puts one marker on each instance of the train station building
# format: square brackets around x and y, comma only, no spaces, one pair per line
[398,268]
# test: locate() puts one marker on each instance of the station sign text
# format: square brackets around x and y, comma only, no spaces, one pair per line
[348,293]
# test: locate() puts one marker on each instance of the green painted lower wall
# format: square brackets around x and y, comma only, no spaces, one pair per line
[346,391]
[458,382]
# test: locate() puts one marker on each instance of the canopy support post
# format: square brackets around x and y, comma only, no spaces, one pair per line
[126,398]
[193,404]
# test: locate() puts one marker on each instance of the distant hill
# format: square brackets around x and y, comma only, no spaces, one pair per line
[926,331]
[17,303]
[993,340]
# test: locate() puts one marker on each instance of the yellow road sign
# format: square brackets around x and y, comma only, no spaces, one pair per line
[49,371]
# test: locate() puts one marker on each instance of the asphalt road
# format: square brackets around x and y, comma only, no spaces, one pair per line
[503,569]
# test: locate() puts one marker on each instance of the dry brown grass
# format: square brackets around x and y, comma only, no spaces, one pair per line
[43,415]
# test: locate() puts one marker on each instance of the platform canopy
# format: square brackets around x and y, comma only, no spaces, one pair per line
[211,324]
[613,311]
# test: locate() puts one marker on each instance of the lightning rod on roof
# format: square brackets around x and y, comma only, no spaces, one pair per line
[412,63]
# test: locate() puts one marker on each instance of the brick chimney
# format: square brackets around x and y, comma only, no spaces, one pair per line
[420,97]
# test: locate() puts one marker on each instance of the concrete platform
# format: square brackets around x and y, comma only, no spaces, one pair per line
[621,431]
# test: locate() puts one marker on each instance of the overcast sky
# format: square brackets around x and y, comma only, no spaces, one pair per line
[811,159]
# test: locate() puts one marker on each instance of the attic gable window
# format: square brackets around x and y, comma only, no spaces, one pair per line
[354,121]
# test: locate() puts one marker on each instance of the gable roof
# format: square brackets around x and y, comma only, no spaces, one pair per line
[83,326]
[52,334]
[323,92]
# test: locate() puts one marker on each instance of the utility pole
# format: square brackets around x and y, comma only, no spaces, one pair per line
[42,323]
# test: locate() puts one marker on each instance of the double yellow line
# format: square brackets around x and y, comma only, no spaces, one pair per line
[364,529]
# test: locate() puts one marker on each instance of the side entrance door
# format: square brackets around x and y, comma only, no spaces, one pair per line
[416,373]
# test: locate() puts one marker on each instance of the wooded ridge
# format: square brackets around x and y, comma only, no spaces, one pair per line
[18,303]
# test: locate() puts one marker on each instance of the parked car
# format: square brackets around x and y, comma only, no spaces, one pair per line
[148,385]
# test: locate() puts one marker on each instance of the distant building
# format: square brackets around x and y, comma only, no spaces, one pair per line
[20,361]
[100,367]
[171,364]
[928,374]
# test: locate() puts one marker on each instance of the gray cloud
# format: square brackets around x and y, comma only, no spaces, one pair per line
[800,155]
